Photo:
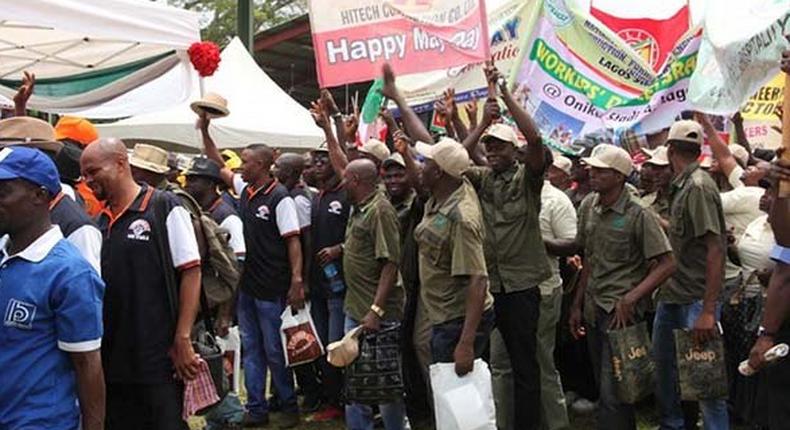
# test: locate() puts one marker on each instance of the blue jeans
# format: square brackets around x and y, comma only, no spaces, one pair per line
[669,317]
[360,417]
[259,323]
[329,318]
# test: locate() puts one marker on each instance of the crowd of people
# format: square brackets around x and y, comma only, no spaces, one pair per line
[480,242]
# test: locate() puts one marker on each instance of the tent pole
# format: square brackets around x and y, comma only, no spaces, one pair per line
[244,23]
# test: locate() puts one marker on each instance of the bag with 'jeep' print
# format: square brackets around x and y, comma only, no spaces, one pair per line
[702,374]
[632,362]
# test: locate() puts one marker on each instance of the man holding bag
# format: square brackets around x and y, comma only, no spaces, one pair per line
[626,257]
[374,298]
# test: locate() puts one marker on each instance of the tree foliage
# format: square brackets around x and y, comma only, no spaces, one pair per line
[218,17]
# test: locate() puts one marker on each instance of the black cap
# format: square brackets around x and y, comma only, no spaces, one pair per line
[202,166]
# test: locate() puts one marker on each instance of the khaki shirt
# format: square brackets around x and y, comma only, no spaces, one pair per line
[450,240]
[658,203]
[372,240]
[514,250]
[410,212]
[695,210]
[618,243]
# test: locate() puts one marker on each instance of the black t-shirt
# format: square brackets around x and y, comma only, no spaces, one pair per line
[138,322]
[269,217]
[329,216]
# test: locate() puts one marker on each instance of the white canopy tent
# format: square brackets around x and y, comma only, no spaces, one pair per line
[87,53]
[260,112]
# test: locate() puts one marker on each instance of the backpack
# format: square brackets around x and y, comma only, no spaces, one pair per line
[220,271]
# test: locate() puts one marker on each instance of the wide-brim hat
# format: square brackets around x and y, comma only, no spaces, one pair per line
[345,351]
[29,131]
[212,104]
[204,167]
[150,158]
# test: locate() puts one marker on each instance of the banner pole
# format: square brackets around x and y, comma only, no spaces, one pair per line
[784,186]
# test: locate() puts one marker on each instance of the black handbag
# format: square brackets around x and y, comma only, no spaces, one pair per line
[376,376]
[203,337]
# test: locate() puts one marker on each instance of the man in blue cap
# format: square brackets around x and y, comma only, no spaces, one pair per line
[51,303]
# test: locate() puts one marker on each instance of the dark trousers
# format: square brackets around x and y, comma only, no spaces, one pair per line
[517,320]
[145,407]
[773,397]
[445,336]
[612,413]
[417,406]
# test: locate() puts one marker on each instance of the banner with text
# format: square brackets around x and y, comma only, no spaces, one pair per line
[761,114]
[508,25]
[740,52]
[577,76]
[354,38]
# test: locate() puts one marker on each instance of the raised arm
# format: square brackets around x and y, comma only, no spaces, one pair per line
[23,94]
[403,146]
[491,111]
[411,122]
[211,151]
[336,155]
[721,152]
[534,149]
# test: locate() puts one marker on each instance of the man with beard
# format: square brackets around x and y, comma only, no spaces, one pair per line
[148,237]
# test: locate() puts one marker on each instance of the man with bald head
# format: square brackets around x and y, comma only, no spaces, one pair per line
[272,275]
[374,296]
[149,244]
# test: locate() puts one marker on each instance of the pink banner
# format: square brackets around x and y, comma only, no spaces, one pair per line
[353,38]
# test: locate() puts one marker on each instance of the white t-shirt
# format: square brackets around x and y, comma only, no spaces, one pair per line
[755,245]
[557,221]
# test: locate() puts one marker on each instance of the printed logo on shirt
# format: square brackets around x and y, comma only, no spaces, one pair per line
[19,314]
[335,207]
[263,212]
[139,230]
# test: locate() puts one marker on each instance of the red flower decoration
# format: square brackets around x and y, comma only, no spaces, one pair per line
[205,57]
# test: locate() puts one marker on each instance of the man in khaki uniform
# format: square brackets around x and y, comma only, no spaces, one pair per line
[656,177]
[454,290]
[690,299]
[516,258]
[374,296]
[626,257]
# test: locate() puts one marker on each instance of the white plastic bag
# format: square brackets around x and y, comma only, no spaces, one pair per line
[301,343]
[463,403]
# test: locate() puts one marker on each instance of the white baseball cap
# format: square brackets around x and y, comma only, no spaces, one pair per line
[448,154]
[606,156]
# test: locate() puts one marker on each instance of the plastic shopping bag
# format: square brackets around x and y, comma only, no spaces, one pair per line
[702,374]
[632,362]
[301,343]
[463,403]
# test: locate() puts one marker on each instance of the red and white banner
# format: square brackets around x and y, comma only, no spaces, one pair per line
[354,38]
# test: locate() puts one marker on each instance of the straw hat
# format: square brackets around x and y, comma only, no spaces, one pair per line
[214,105]
[345,351]
[150,158]
[29,131]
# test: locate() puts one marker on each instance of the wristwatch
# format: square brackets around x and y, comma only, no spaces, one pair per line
[762,332]
[377,310]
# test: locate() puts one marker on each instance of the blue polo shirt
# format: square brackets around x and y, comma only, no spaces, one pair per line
[51,304]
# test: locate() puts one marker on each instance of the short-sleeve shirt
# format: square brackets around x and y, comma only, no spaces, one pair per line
[514,251]
[228,219]
[695,211]
[303,200]
[372,240]
[269,217]
[329,214]
[618,243]
[450,239]
[410,212]
[557,221]
[138,320]
[658,202]
[77,228]
[51,304]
